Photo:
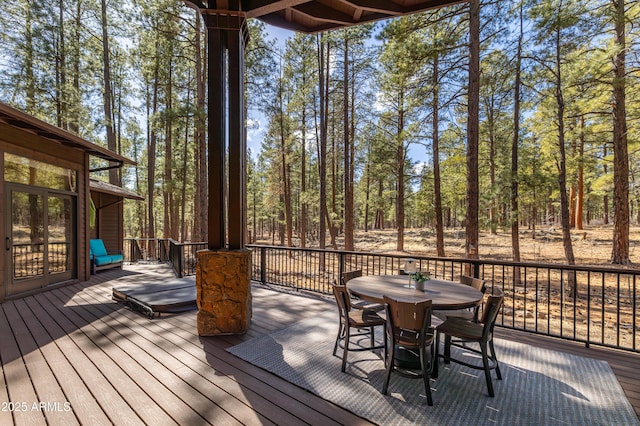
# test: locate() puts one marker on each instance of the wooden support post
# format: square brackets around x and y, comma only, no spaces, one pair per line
[217,134]
[237,140]
[223,278]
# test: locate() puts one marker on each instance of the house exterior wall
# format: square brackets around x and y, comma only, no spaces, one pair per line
[109,220]
[20,142]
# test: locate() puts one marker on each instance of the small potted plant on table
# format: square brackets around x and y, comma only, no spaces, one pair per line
[419,278]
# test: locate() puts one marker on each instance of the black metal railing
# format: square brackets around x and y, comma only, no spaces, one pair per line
[181,256]
[143,250]
[592,305]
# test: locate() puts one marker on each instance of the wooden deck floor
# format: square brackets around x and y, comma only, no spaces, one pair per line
[72,356]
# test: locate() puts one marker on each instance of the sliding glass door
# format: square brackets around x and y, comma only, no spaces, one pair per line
[40,223]
[41,234]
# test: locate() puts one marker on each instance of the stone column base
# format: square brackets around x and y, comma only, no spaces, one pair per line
[223,283]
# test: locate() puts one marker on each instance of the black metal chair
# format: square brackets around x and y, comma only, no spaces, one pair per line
[409,341]
[460,332]
[358,319]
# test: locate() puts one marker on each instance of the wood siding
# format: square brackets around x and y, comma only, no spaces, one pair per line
[109,221]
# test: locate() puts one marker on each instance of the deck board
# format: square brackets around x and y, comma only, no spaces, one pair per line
[155,378]
[85,359]
[180,333]
[171,358]
[115,366]
[21,393]
[176,356]
[42,377]
[85,407]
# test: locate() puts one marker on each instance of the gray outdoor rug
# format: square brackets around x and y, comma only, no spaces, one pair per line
[539,387]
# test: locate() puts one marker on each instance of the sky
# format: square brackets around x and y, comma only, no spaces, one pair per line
[256,122]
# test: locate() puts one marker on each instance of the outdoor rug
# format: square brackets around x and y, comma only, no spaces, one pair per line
[539,386]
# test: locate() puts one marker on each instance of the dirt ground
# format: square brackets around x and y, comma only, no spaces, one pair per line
[591,246]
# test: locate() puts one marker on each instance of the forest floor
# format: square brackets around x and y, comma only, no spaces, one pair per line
[591,246]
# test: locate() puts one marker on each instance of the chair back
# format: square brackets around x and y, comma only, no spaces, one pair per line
[96,248]
[466,280]
[346,276]
[476,283]
[342,299]
[408,320]
[490,312]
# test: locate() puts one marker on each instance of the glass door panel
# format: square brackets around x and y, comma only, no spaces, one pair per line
[27,240]
[41,243]
[59,234]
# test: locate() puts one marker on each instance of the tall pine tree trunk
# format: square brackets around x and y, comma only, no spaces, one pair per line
[515,141]
[74,108]
[303,175]
[107,93]
[473,124]
[515,214]
[348,175]
[400,191]
[562,160]
[437,194]
[61,73]
[620,253]
[30,80]
[284,170]
[200,205]
[580,185]
[321,40]
[169,185]
[151,149]
[605,198]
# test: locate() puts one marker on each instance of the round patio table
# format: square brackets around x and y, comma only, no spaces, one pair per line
[445,295]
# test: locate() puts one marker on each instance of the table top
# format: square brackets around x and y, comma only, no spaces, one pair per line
[443,294]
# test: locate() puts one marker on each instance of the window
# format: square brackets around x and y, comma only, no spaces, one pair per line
[18,169]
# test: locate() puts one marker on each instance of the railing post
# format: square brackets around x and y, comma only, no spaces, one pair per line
[263,265]
[340,268]
[476,269]
[181,261]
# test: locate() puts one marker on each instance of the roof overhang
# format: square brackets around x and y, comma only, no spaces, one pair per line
[107,188]
[311,16]
[45,130]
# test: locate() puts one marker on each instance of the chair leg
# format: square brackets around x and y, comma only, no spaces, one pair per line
[386,349]
[495,359]
[447,349]
[487,370]
[373,342]
[436,356]
[346,347]
[338,338]
[425,375]
[389,365]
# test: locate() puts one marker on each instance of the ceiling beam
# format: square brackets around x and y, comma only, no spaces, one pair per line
[284,21]
[323,13]
[259,8]
[381,6]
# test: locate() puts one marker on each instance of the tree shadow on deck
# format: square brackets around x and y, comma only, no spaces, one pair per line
[30,323]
